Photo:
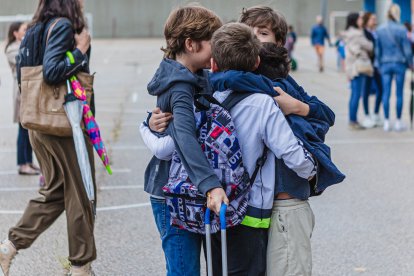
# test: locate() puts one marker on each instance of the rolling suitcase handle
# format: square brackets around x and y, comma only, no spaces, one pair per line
[223,241]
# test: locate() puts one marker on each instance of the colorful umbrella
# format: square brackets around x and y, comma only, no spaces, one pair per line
[89,121]
[73,109]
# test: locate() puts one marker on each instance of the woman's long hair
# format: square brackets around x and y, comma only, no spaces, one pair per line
[14,27]
[70,9]
[352,20]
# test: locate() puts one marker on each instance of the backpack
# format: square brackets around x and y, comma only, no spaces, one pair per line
[218,140]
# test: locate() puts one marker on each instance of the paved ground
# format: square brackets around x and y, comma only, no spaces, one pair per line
[363,226]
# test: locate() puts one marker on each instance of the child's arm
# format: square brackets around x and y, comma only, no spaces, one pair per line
[279,138]
[317,109]
[183,130]
[161,147]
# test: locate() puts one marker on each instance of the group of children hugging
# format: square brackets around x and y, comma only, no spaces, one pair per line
[244,67]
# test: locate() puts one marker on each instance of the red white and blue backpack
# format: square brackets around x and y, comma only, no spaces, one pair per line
[218,140]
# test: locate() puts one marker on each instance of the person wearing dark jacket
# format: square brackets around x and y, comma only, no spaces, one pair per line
[369,23]
[63,189]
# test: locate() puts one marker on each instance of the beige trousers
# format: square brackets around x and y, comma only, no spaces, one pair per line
[289,248]
[63,191]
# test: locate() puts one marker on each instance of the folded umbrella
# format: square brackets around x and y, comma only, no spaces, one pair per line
[74,110]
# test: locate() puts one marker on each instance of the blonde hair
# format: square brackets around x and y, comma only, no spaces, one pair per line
[394,13]
[194,22]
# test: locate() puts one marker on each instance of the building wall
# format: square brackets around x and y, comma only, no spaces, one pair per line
[145,18]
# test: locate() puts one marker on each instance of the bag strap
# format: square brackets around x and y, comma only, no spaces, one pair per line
[234,98]
[259,164]
[49,32]
[198,101]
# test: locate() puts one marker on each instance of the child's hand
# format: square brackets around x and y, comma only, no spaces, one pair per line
[159,121]
[290,105]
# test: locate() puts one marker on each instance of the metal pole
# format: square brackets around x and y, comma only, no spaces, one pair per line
[208,242]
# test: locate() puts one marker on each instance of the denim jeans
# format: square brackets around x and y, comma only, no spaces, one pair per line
[24,148]
[181,248]
[357,89]
[388,71]
[371,82]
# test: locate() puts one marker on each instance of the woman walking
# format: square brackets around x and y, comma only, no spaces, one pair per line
[358,65]
[63,189]
[394,56]
[24,149]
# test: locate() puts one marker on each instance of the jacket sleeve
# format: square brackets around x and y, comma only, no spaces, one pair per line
[56,66]
[183,131]
[406,45]
[11,54]
[279,138]
[161,147]
[317,109]
[312,37]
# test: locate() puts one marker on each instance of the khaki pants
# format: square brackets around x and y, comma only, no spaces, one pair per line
[63,191]
[289,247]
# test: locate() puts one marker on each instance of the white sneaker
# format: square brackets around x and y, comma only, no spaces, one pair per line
[377,120]
[85,270]
[368,122]
[399,126]
[387,126]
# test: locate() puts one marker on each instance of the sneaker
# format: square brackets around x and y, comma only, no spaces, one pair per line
[85,270]
[355,126]
[368,122]
[7,253]
[399,126]
[377,120]
[387,126]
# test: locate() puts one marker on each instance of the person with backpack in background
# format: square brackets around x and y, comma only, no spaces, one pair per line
[291,39]
[318,36]
[181,74]
[369,23]
[394,55]
[60,27]
[358,65]
[15,36]
[340,54]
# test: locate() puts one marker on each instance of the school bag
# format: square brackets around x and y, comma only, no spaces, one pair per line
[218,140]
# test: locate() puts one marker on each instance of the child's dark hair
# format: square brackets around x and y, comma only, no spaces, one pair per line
[14,27]
[235,47]
[194,22]
[261,16]
[274,61]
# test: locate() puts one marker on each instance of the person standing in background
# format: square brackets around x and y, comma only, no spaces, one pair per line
[358,66]
[15,36]
[394,55]
[369,23]
[318,36]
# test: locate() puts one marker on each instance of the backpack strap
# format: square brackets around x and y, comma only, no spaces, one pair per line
[234,98]
[259,164]
[202,101]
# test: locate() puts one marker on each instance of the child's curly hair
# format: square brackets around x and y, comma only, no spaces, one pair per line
[194,22]
[274,61]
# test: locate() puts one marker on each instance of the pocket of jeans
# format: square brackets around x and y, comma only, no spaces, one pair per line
[159,210]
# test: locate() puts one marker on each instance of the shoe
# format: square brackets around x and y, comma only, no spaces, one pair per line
[368,122]
[399,126]
[34,167]
[7,253]
[377,120]
[355,126]
[387,126]
[27,170]
[85,270]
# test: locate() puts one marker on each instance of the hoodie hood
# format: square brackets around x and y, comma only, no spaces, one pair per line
[171,72]
[242,82]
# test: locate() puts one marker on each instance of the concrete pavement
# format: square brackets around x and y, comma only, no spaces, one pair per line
[363,226]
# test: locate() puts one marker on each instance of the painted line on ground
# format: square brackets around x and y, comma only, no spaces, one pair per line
[368,141]
[116,171]
[100,209]
[102,188]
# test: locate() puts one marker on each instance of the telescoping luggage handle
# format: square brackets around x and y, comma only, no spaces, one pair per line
[223,241]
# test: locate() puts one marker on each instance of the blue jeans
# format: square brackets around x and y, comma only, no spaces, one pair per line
[181,248]
[357,89]
[373,82]
[24,148]
[388,71]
